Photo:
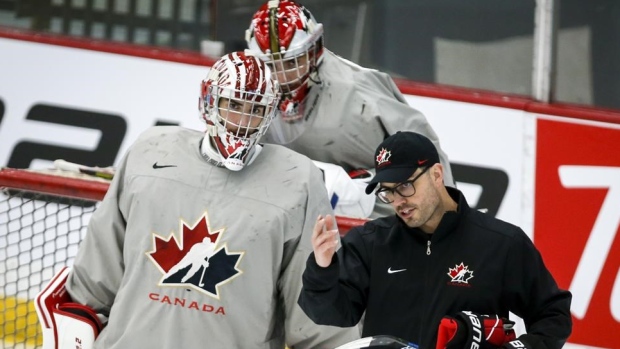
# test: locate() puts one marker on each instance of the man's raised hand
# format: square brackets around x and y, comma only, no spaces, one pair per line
[324,240]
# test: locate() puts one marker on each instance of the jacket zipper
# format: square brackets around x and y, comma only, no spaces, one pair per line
[428,247]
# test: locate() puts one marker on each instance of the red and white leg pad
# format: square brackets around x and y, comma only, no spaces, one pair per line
[65,324]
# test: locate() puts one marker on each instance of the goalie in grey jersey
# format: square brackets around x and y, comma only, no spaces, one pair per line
[202,238]
[332,110]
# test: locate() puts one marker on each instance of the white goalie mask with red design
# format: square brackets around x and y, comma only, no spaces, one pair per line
[237,101]
[286,36]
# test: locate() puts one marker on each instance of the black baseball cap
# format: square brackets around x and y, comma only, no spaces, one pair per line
[399,155]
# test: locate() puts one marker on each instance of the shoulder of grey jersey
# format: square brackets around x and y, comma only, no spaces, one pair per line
[274,176]
[279,158]
[288,178]
[338,69]
[177,132]
[164,144]
[274,158]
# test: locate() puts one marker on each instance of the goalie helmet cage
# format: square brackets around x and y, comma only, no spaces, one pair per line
[43,218]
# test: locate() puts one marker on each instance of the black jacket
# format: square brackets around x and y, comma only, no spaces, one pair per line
[407,280]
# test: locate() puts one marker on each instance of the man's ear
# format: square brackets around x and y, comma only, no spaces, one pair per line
[437,173]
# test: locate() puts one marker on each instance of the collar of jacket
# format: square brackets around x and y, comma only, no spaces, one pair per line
[450,220]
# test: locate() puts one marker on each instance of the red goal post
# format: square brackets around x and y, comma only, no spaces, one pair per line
[43,218]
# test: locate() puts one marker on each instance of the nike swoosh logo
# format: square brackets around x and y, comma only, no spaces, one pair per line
[421,162]
[390,271]
[156,166]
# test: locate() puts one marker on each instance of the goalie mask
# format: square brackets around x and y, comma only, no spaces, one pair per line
[237,101]
[286,36]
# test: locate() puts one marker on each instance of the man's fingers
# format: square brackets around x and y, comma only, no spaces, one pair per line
[324,240]
[329,223]
[318,227]
[325,247]
[326,237]
[323,224]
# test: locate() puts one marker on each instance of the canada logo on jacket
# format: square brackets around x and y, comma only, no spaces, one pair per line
[460,275]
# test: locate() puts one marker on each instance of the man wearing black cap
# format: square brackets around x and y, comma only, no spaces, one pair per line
[426,273]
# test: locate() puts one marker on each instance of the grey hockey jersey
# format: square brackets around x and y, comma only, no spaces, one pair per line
[349,114]
[184,254]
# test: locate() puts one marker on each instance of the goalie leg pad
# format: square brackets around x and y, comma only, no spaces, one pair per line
[65,324]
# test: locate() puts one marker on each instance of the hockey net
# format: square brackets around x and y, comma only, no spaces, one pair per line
[43,218]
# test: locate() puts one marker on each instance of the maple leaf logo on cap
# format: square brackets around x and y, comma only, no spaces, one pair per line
[383,157]
[196,259]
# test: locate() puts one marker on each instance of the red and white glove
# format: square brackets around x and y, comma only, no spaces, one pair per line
[65,324]
[467,330]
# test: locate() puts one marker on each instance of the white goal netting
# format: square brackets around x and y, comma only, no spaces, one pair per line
[43,218]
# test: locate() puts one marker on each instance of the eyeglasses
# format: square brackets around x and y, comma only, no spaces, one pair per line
[404,189]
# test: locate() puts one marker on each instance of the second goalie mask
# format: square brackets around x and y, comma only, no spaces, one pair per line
[237,101]
[286,36]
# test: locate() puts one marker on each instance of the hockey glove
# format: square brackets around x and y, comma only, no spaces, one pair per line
[65,324]
[525,341]
[467,330]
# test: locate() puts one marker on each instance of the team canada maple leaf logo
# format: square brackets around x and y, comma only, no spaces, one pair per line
[383,156]
[460,273]
[196,259]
